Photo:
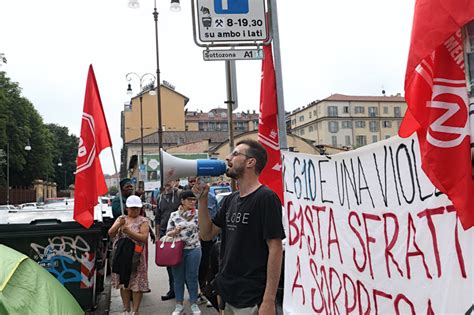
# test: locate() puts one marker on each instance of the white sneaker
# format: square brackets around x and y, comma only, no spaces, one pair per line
[195,309]
[125,313]
[178,310]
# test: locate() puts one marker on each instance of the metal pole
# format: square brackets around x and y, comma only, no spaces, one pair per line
[8,173]
[278,77]
[65,187]
[230,102]
[141,124]
[158,93]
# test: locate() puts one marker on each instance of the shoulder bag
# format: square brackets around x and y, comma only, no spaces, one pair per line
[169,251]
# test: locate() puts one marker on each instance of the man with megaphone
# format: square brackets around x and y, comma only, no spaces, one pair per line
[250,221]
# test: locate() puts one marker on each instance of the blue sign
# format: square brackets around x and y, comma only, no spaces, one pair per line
[134,180]
[231,6]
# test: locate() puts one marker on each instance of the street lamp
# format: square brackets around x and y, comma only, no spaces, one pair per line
[27,148]
[175,6]
[60,164]
[141,80]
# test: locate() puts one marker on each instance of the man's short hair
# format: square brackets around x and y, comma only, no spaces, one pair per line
[257,151]
[124,182]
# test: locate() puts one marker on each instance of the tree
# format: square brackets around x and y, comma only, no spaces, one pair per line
[113,190]
[21,125]
[64,151]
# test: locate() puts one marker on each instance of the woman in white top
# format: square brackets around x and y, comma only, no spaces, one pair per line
[183,224]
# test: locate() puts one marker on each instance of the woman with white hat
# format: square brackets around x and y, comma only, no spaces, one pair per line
[129,267]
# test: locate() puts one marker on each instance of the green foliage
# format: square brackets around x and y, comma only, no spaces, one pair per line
[21,125]
[64,151]
[113,190]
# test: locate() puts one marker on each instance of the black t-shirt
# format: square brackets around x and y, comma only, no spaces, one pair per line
[246,224]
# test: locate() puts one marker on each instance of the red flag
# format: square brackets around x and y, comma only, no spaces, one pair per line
[268,127]
[436,94]
[90,182]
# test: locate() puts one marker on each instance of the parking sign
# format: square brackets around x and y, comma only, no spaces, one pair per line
[231,21]
[231,7]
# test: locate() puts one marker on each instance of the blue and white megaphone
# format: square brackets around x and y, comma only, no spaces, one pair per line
[175,168]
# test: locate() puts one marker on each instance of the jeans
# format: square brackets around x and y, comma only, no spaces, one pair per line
[187,272]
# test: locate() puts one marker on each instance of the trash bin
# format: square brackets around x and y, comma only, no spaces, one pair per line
[73,254]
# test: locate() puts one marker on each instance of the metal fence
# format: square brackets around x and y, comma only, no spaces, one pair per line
[18,195]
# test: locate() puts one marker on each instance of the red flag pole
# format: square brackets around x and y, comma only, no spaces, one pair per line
[469,69]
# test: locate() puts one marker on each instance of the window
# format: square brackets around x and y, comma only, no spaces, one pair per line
[310,129]
[224,115]
[373,126]
[387,124]
[374,139]
[332,111]
[346,124]
[315,113]
[310,115]
[301,118]
[359,110]
[302,132]
[361,140]
[348,140]
[211,115]
[385,110]
[293,122]
[387,137]
[333,126]
[334,141]
[397,111]
[345,109]
[360,124]
[239,126]
[373,111]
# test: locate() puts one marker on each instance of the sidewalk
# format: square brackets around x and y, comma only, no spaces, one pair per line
[151,302]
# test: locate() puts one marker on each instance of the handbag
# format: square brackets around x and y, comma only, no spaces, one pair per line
[169,251]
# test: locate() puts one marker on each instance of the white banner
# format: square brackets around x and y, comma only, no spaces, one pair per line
[367,233]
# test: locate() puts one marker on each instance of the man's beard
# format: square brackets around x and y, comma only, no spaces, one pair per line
[235,172]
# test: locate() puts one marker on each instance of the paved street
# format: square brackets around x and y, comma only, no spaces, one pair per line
[152,303]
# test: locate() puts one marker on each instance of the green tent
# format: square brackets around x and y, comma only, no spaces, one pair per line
[27,288]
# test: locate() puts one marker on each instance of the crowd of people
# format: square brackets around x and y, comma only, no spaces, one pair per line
[233,248]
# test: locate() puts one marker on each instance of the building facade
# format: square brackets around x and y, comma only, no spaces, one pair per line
[348,121]
[217,120]
[172,109]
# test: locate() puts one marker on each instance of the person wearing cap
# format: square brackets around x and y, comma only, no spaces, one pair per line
[132,281]
[183,224]
[126,189]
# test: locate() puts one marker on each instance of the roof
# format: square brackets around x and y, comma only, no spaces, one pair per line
[186,99]
[216,115]
[351,98]
[172,138]
[342,97]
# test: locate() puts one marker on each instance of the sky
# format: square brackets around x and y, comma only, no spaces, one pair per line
[327,47]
